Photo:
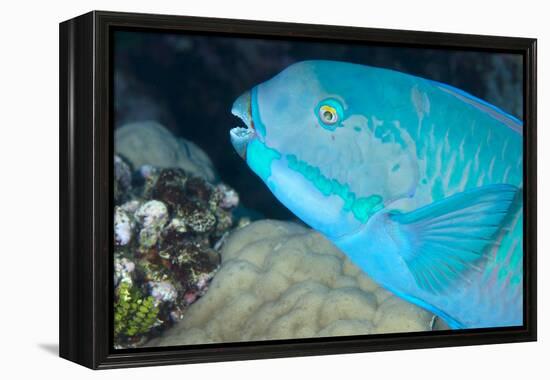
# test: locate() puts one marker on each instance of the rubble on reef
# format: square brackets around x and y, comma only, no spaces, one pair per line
[169,226]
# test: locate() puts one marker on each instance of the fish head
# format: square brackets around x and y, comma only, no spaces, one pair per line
[316,134]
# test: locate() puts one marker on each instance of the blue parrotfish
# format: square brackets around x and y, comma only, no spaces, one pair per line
[417,182]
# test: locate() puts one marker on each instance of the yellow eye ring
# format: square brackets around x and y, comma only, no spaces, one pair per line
[328,114]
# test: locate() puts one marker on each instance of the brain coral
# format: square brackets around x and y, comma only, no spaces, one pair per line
[279,280]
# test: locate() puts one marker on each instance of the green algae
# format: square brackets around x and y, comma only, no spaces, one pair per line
[135,314]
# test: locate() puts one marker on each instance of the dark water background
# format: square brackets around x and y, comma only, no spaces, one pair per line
[189,82]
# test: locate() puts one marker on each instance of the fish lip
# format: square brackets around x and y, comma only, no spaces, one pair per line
[240,136]
[242,108]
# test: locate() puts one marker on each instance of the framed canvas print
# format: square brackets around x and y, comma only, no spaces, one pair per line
[238,189]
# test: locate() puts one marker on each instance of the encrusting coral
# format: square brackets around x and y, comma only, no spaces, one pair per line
[279,280]
[167,234]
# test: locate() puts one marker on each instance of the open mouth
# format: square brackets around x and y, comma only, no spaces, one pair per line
[240,136]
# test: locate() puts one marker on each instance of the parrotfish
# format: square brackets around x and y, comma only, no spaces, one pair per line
[417,182]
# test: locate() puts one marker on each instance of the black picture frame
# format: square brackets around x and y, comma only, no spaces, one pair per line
[86,151]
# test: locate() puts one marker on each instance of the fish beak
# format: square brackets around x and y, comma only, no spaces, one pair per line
[241,136]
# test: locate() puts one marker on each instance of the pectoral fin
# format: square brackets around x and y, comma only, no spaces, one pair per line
[442,241]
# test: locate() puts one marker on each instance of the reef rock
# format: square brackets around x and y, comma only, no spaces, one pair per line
[149,143]
[279,280]
[122,180]
[167,238]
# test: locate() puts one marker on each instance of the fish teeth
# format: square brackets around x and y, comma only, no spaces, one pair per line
[240,137]
[240,132]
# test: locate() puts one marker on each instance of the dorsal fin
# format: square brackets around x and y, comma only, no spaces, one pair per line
[493,111]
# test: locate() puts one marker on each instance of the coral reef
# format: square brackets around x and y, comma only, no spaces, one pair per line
[167,235]
[276,279]
[279,280]
[152,216]
[149,143]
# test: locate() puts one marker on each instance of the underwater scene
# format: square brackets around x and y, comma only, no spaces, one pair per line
[269,189]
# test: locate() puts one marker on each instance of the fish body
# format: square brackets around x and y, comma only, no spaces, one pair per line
[417,182]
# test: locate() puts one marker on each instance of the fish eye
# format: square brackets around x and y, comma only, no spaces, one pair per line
[330,113]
